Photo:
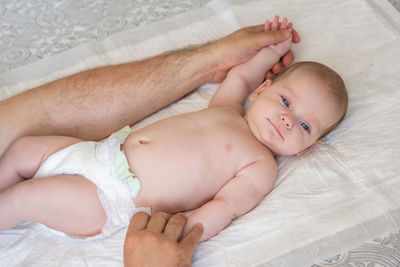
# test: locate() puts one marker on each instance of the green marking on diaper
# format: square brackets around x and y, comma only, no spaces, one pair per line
[121,163]
[123,133]
[134,183]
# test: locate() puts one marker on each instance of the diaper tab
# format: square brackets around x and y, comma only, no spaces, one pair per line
[123,133]
[121,163]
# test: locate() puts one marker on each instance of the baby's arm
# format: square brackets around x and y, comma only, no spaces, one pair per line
[244,78]
[241,194]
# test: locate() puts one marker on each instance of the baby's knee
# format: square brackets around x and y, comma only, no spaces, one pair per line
[24,156]
[15,154]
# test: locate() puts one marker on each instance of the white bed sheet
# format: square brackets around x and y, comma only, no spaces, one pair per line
[343,193]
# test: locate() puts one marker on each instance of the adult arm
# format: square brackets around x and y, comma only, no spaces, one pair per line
[92,104]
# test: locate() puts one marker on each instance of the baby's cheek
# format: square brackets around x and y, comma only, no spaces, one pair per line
[298,144]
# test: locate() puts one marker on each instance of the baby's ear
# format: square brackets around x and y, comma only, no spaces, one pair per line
[260,89]
[301,153]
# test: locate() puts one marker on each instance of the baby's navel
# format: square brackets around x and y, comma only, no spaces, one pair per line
[143,141]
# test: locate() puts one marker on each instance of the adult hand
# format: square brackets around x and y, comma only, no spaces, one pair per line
[155,240]
[243,44]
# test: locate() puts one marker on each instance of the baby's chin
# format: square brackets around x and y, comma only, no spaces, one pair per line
[280,150]
[283,152]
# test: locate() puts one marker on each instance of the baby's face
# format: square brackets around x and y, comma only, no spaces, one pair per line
[290,115]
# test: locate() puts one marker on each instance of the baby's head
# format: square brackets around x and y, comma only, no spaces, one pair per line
[291,114]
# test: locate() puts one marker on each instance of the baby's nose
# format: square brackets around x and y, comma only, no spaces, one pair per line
[287,120]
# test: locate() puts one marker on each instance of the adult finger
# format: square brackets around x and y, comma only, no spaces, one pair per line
[288,58]
[295,37]
[269,75]
[157,222]
[189,242]
[174,227]
[277,68]
[138,222]
[255,28]
[272,37]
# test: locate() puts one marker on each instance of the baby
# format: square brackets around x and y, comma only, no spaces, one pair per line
[220,160]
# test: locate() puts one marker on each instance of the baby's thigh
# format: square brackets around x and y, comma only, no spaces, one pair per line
[27,153]
[67,203]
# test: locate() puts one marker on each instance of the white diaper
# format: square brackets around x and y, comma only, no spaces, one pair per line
[106,166]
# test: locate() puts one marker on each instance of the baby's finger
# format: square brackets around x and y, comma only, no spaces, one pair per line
[267,26]
[284,24]
[275,23]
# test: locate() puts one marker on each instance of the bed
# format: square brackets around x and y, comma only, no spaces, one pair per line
[338,205]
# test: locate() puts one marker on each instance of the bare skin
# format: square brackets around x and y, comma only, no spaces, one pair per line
[231,171]
[92,104]
[155,241]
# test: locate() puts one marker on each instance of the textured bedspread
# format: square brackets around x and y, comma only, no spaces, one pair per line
[41,33]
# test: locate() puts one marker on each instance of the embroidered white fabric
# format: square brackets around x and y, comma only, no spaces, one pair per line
[32,30]
[344,193]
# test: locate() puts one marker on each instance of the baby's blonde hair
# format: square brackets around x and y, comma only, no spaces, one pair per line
[333,80]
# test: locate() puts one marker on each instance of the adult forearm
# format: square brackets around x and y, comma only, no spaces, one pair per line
[94,103]
[166,78]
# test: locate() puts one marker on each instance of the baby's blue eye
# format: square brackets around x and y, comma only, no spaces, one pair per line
[305,126]
[285,101]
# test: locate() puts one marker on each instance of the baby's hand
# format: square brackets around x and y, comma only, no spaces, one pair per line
[282,47]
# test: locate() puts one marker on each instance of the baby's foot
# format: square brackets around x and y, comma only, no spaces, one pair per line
[282,47]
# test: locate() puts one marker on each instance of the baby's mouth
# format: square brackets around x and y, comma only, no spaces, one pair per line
[276,128]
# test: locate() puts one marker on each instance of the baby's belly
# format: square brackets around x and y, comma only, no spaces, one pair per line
[175,178]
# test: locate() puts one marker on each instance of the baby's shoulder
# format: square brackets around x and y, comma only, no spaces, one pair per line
[262,172]
[268,159]
[262,159]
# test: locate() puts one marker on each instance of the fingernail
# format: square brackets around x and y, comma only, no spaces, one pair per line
[181,215]
[199,226]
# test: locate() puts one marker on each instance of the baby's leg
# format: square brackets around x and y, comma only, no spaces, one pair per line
[23,158]
[67,203]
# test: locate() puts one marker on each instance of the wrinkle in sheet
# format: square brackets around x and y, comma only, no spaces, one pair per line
[337,196]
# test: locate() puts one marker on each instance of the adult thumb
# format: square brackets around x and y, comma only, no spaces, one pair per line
[272,37]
